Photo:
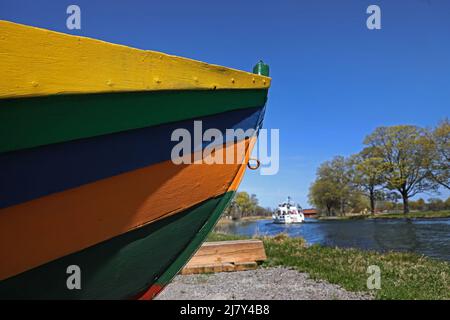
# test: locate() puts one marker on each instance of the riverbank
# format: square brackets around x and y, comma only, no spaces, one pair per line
[403,275]
[411,215]
[254,218]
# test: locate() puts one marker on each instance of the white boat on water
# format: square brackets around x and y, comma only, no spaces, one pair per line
[288,212]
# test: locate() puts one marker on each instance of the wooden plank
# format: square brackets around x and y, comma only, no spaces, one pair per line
[229,251]
[242,266]
[208,268]
[219,267]
[226,256]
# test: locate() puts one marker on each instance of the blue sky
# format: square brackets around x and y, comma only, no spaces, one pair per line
[334,80]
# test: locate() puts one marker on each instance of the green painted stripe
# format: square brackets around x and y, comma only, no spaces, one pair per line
[123,266]
[31,122]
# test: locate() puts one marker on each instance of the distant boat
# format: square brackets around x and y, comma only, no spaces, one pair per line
[287,213]
[87,179]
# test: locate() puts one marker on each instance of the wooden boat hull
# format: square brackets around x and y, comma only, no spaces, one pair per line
[125,266]
[86,172]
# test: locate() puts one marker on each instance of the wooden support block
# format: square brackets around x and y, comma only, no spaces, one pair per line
[242,266]
[226,256]
[208,268]
[228,267]
[229,251]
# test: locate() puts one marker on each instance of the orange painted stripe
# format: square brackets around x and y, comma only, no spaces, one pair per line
[50,227]
[156,288]
[240,174]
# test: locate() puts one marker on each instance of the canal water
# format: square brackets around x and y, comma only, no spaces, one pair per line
[430,237]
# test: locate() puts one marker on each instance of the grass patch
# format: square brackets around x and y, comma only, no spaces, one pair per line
[215,236]
[403,275]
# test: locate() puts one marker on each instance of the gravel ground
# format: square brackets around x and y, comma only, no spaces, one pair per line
[271,283]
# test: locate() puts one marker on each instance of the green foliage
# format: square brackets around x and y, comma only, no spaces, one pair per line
[324,195]
[436,204]
[440,157]
[405,151]
[369,173]
[244,205]
[398,162]
[215,236]
[357,202]
[419,205]
[333,189]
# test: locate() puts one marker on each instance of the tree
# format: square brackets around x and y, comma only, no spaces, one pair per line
[393,198]
[386,205]
[405,151]
[260,211]
[419,205]
[338,172]
[447,204]
[440,160]
[244,203]
[254,203]
[436,204]
[358,202]
[323,194]
[369,169]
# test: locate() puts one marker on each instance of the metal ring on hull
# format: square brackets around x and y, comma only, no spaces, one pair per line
[253,167]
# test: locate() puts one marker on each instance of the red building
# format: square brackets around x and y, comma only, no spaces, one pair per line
[310,213]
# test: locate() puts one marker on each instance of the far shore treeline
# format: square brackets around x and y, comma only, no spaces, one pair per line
[245,205]
[396,164]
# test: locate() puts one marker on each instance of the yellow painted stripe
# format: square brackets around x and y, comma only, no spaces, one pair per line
[37,62]
[53,226]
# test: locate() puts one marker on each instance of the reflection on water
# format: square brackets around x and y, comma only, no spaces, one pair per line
[430,237]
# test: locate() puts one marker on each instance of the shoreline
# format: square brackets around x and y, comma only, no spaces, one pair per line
[223,221]
[411,215]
